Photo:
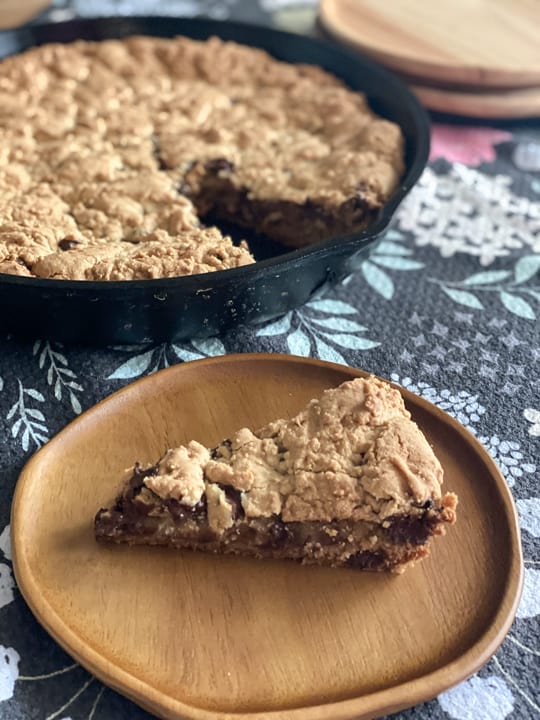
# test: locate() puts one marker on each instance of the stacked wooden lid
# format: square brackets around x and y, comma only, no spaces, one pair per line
[478,58]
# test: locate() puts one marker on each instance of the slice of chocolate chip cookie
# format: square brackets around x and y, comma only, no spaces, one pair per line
[350,481]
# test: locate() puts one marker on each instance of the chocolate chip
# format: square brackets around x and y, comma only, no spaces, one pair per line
[412,529]
[200,510]
[278,534]
[216,453]
[177,510]
[184,189]
[136,481]
[367,560]
[234,497]
[219,165]
[66,244]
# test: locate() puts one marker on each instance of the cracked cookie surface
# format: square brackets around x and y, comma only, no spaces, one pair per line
[123,142]
[348,475]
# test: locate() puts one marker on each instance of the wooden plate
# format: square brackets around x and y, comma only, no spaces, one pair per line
[17,12]
[192,636]
[485,42]
[501,105]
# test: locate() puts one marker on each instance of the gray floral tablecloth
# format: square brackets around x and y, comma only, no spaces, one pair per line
[447,306]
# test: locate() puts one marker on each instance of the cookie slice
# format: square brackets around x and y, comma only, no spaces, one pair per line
[349,481]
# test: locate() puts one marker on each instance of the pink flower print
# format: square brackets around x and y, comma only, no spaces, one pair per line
[466,145]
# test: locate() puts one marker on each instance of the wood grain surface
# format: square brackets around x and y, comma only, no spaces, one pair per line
[504,104]
[484,42]
[188,635]
[17,12]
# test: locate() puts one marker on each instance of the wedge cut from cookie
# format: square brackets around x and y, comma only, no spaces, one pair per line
[349,481]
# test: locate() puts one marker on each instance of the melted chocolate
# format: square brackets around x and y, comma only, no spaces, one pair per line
[66,244]
[412,529]
[367,560]
[234,498]
[219,165]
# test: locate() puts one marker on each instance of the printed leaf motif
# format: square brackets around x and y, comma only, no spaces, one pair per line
[390,248]
[12,411]
[351,341]
[276,328]
[58,357]
[463,297]
[33,412]
[133,367]
[332,307]
[29,420]
[397,263]
[75,404]
[209,346]
[34,394]
[59,375]
[328,353]
[487,278]
[517,306]
[394,235]
[299,343]
[339,323]
[526,267]
[378,280]
[185,355]
[68,373]
[534,294]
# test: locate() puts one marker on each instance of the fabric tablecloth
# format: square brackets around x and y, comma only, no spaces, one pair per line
[447,306]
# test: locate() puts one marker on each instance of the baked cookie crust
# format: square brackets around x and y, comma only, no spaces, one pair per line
[349,481]
[106,145]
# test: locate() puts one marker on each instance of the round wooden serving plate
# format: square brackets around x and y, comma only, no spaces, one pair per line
[188,635]
[491,43]
[505,104]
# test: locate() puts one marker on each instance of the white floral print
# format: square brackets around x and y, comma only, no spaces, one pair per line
[478,699]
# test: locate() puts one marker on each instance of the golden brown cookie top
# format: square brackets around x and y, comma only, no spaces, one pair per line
[101,141]
[354,453]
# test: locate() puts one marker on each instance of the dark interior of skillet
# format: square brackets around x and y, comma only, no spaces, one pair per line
[176,308]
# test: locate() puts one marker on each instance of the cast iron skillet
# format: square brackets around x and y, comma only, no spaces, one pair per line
[201,305]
